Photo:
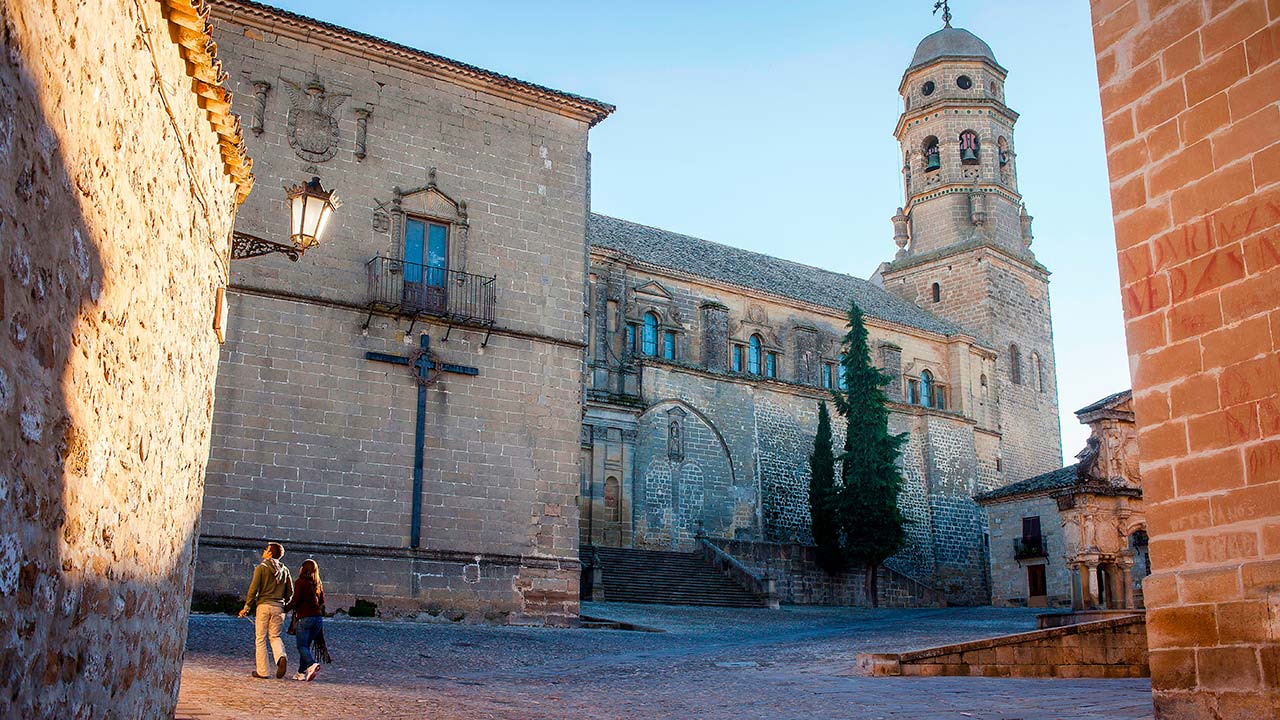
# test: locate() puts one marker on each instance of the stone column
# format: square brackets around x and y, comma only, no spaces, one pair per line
[891,363]
[1084,599]
[806,363]
[715,336]
[1125,563]
[1091,576]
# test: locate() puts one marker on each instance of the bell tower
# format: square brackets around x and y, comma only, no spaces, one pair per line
[963,240]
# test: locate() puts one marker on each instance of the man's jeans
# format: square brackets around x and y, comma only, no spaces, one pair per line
[270,621]
[308,629]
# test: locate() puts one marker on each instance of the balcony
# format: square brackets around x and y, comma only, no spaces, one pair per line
[417,290]
[1025,548]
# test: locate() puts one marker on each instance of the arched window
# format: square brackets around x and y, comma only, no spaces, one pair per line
[969,148]
[982,381]
[926,388]
[669,345]
[1002,148]
[932,156]
[753,355]
[1015,365]
[612,506]
[1037,377]
[937,292]
[649,337]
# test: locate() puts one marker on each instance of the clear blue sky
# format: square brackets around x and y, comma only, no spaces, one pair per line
[725,108]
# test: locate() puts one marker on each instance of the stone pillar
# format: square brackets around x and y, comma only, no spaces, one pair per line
[715,336]
[1125,596]
[891,363]
[806,363]
[1083,599]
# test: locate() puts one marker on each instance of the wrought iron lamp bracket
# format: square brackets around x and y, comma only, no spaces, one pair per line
[244,245]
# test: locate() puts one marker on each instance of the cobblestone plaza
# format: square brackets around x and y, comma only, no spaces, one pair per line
[710,664]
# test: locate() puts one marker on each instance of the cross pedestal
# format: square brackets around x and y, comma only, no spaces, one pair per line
[426,370]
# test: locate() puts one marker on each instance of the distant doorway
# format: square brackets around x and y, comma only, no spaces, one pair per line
[1037,586]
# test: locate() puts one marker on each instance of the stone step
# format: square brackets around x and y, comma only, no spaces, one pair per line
[673,578]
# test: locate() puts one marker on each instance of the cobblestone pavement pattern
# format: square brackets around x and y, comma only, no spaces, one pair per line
[709,664]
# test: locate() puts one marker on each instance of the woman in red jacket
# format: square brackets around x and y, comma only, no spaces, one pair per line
[307,605]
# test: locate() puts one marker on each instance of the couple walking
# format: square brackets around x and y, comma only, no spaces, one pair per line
[272,593]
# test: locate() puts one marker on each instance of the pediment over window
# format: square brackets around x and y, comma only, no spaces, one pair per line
[654,290]
[430,201]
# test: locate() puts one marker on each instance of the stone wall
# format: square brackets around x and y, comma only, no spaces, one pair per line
[743,473]
[314,443]
[1103,649]
[115,211]
[1189,100]
[800,581]
[1008,573]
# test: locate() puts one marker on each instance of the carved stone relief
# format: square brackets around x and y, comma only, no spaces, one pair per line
[313,127]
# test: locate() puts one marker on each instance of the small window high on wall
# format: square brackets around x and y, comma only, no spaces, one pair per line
[1015,364]
[937,292]
[669,345]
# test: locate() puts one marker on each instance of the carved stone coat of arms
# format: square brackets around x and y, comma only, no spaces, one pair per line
[313,128]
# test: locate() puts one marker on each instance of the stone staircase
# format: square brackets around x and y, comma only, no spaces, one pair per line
[667,578]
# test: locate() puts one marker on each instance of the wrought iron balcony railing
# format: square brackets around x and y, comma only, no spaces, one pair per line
[1029,547]
[418,290]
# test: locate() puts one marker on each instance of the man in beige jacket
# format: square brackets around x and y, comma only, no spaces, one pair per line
[269,591]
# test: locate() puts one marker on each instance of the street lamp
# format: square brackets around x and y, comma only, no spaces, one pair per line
[310,207]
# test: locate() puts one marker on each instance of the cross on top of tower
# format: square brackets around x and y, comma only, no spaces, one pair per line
[946,11]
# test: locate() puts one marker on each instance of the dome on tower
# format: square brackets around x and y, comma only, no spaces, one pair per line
[951,42]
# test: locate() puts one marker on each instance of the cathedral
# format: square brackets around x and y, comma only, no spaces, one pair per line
[707,363]
[475,376]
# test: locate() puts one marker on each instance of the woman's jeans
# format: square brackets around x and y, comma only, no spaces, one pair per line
[308,628]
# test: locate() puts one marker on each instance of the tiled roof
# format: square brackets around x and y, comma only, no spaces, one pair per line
[1107,401]
[1053,480]
[594,109]
[190,29]
[759,272]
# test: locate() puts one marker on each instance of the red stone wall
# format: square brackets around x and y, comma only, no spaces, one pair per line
[1190,94]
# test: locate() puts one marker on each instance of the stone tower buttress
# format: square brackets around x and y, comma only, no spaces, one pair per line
[964,238]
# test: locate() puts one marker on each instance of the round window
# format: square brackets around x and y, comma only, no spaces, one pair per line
[964,82]
[927,88]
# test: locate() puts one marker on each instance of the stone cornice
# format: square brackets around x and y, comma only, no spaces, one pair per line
[941,106]
[961,187]
[331,549]
[310,30]
[914,261]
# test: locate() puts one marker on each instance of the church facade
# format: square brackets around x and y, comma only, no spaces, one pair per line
[707,363]
[474,374]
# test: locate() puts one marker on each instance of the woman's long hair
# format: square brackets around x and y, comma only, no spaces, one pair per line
[311,569]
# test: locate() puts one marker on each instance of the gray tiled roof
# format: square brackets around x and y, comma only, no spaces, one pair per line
[754,270]
[1053,480]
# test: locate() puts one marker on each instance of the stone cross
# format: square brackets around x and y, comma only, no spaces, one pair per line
[426,371]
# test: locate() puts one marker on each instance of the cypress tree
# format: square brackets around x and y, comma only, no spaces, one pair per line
[822,480]
[869,521]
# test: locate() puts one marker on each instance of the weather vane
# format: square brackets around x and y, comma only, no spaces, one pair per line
[946,11]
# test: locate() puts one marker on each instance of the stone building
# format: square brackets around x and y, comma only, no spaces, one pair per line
[447,481]
[120,173]
[1075,536]
[1191,112]
[466,241]
[707,363]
